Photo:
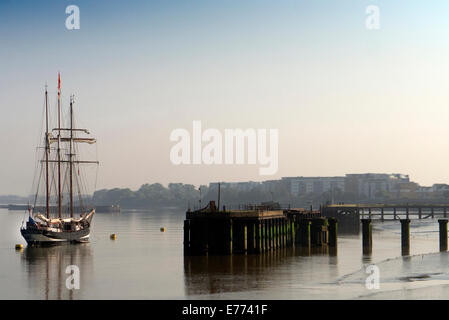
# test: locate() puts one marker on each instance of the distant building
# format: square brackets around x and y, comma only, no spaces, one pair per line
[374,185]
[361,186]
[305,185]
[272,185]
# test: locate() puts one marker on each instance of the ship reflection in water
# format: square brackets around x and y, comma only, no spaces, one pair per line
[46,269]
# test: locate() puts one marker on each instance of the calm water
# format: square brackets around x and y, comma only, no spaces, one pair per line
[144,263]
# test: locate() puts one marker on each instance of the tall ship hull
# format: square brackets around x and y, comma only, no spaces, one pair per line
[61,216]
[41,236]
[61,230]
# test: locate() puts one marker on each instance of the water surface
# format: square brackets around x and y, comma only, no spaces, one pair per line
[145,263]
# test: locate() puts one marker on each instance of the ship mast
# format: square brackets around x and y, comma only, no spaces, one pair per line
[47,150]
[70,157]
[59,148]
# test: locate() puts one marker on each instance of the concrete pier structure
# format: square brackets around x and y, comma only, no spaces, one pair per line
[254,230]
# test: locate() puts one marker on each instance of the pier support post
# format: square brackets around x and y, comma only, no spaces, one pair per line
[394,213]
[211,235]
[276,233]
[443,234]
[268,234]
[333,231]
[228,236]
[280,221]
[186,237]
[382,214]
[268,226]
[420,213]
[406,213]
[258,231]
[204,236]
[367,236]
[265,235]
[304,233]
[318,235]
[281,232]
[251,241]
[284,233]
[405,237]
[432,212]
[292,233]
[245,237]
[194,243]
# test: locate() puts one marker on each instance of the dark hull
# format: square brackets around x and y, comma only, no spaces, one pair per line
[38,236]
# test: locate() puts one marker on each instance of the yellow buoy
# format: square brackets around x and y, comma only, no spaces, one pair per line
[19,246]
[113,236]
[162,229]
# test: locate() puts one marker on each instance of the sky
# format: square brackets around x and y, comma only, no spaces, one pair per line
[344,98]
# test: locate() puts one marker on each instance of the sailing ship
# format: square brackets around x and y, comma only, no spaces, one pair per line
[56,220]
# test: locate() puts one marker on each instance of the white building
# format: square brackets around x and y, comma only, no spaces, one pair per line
[305,185]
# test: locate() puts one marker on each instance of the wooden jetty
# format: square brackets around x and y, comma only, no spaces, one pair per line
[254,229]
[349,216]
[386,211]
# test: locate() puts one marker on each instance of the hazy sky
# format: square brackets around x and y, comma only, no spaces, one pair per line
[344,98]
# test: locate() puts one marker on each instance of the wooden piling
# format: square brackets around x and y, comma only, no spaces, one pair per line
[367,236]
[284,233]
[276,233]
[405,237]
[265,235]
[186,237]
[304,236]
[228,236]
[333,231]
[245,238]
[257,231]
[291,233]
[443,234]
[317,232]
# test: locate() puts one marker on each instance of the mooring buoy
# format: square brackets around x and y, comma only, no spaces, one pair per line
[113,236]
[19,246]
[162,229]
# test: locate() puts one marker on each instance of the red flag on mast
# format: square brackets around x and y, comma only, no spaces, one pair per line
[59,84]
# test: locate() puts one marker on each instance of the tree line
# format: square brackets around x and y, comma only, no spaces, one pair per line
[185,196]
